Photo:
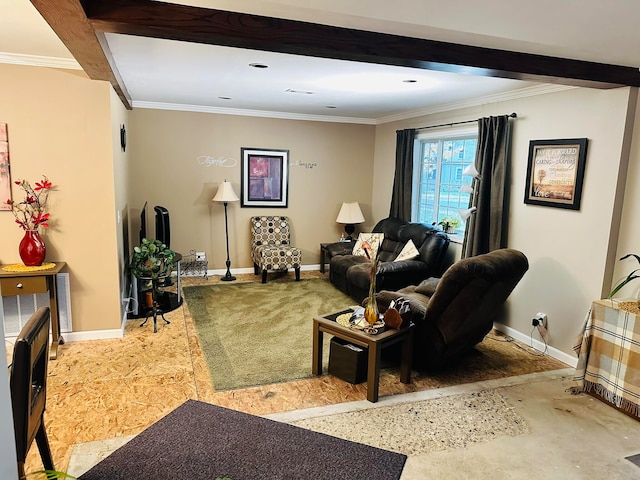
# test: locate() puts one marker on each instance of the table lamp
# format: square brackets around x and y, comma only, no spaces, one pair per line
[225,194]
[350,214]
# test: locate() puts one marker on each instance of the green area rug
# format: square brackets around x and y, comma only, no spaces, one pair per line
[255,334]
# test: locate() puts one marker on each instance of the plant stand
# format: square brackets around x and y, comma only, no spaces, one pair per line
[154,309]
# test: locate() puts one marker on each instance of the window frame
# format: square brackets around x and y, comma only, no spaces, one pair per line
[441,134]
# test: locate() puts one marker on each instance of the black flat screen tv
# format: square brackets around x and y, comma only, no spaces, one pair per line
[143,223]
[163,229]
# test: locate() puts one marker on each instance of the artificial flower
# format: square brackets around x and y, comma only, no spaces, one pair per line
[30,212]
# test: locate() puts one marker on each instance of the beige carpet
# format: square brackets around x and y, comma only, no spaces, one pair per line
[257,334]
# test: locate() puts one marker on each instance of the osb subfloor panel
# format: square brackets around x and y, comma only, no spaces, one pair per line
[111,388]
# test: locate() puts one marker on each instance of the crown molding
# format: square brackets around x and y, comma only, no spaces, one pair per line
[252,113]
[478,101]
[39,61]
[473,102]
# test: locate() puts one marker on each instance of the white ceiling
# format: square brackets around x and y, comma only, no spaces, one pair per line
[169,74]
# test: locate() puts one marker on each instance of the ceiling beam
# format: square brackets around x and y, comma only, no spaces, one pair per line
[81,25]
[68,20]
[194,24]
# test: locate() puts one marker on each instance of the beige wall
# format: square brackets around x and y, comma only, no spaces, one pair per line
[629,240]
[60,126]
[568,250]
[165,146]
[119,117]
[67,127]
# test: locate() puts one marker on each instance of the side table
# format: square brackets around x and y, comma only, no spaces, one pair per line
[326,251]
[607,357]
[373,343]
[39,281]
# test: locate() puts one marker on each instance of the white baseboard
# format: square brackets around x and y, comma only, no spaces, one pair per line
[235,271]
[537,344]
[93,335]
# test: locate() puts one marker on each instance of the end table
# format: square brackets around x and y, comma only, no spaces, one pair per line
[373,343]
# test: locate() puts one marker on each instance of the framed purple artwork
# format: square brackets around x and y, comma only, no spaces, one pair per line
[265,178]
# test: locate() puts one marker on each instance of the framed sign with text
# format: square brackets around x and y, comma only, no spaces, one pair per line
[555,172]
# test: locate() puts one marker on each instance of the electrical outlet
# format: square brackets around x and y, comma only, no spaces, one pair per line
[542,319]
[201,256]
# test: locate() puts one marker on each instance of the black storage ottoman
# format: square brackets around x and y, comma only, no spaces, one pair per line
[347,361]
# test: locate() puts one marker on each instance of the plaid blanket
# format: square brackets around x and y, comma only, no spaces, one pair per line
[609,356]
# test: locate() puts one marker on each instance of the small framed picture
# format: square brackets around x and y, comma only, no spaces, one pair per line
[265,178]
[5,170]
[555,172]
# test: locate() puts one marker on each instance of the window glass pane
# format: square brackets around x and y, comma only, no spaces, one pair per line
[440,179]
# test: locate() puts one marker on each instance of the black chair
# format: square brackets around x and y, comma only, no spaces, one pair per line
[28,383]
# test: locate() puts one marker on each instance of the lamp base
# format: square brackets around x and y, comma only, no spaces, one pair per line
[227,276]
[349,228]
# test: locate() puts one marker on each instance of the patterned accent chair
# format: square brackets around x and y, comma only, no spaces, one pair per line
[271,246]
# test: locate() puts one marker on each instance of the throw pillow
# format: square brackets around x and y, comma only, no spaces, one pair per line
[408,252]
[373,239]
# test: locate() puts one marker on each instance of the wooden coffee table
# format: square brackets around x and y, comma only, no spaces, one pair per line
[373,343]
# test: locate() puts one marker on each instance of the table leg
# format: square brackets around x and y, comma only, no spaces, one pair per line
[322,259]
[178,281]
[407,357]
[316,358]
[373,375]
[56,339]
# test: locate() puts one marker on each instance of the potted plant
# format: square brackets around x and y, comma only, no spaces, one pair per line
[151,260]
[632,276]
[449,224]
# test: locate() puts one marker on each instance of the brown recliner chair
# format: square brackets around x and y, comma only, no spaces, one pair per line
[455,312]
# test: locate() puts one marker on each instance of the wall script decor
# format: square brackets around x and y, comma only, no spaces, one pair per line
[265,178]
[555,172]
[5,171]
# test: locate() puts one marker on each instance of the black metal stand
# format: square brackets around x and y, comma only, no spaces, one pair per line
[227,277]
[154,309]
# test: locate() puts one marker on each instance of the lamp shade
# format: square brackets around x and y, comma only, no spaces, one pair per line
[466,188]
[470,171]
[225,193]
[466,213]
[350,213]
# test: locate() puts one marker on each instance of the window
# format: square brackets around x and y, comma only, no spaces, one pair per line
[438,165]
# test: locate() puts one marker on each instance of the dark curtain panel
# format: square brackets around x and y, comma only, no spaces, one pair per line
[487,228]
[402,181]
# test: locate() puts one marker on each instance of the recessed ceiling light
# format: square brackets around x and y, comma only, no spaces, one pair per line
[258,65]
[224,98]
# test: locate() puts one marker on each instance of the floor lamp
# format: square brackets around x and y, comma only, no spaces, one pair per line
[225,194]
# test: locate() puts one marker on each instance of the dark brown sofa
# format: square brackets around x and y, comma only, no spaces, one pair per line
[350,273]
[455,312]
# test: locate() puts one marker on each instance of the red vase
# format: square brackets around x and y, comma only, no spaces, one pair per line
[32,249]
